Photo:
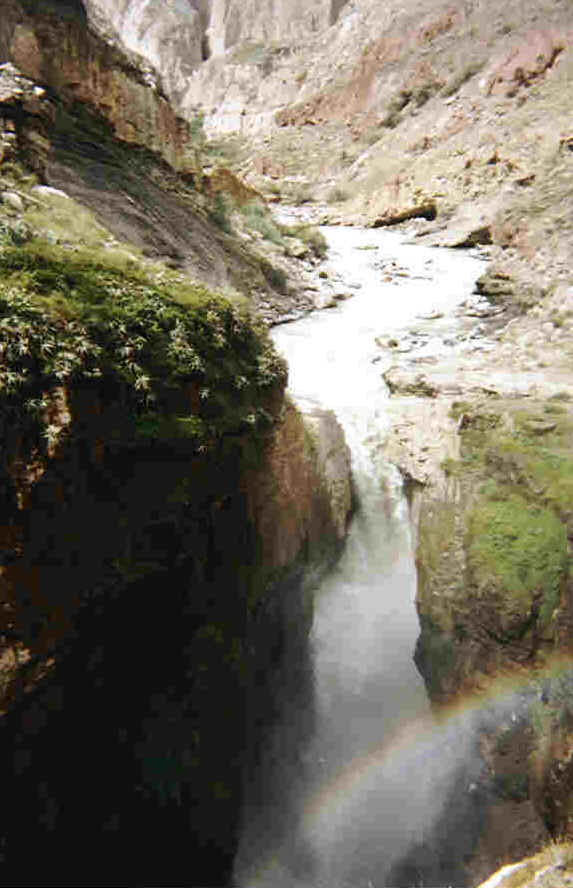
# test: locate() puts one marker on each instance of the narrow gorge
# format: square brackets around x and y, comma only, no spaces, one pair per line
[285,395]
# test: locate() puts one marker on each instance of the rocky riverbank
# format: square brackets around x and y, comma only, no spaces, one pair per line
[483,435]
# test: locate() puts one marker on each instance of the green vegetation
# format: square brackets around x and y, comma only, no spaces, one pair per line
[226,150]
[554,409]
[554,712]
[178,360]
[310,235]
[302,194]
[220,213]
[544,470]
[61,220]
[249,53]
[259,219]
[517,526]
[274,276]
[196,129]
[462,76]
[494,554]
[415,97]
[263,55]
[514,787]
[14,232]
[518,551]
[230,150]
[14,173]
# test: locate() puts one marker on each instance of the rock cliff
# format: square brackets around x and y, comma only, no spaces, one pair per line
[96,124]
[178,38]
[485,446]
[52,44]
[160,498]
[150,598]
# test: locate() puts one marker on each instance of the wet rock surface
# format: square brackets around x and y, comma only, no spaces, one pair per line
[501,378]
[210,616]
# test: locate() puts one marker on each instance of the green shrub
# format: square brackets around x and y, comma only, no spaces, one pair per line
[196,129]
[275,276]
[179,360]
[310,235]
[219,214]
[14,172]
[249,53]
[302,195]
[259,219]
[394,107]
[15,232]
[391,119]
[555,409]
[518,550]
[514,787]
[461,77]
[422,93]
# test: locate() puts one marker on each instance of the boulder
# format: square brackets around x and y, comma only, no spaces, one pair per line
[13,200]
[480,235]
[296,248]
[402,382]
[393,216]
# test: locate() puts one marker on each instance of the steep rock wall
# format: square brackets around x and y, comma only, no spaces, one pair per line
[132,190]
[209,27]
[495,606]
[149,586]
[177,38]
[50,43]
[150,598]
[173,37]
[267,20]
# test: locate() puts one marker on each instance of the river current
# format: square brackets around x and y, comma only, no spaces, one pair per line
[371,781]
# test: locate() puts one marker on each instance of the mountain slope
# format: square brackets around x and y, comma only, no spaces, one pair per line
[384,110]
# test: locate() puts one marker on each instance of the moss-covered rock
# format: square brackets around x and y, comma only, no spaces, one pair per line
[493,552]
[517,557]
[160,501]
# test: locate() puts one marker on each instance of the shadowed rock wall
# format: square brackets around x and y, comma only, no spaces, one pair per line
[150,600]
[50,43]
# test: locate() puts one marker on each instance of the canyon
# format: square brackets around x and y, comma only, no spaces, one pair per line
[168,510]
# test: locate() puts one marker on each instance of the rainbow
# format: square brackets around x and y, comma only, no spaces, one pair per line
[327,807]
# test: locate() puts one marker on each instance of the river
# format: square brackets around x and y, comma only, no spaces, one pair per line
[373,779]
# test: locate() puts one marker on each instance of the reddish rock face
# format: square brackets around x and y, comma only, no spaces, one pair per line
[526,62]
[50,44]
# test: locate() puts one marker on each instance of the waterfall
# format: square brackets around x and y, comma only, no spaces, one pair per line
[367,787]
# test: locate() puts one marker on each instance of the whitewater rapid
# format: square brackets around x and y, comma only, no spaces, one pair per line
[363,794]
